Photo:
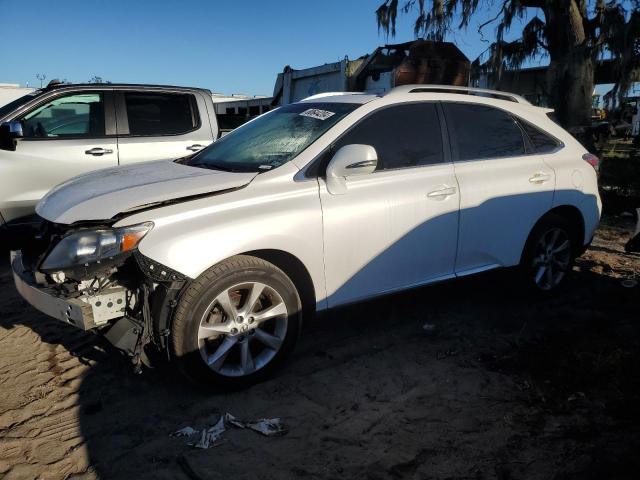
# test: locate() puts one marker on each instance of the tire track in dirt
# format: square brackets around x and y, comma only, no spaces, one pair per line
[40,431]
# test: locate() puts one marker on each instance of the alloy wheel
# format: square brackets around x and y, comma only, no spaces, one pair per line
[552,257]
[243,329]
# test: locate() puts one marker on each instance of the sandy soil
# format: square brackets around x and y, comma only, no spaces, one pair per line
[505,388]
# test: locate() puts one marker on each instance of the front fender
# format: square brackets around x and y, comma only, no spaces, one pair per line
[193,236]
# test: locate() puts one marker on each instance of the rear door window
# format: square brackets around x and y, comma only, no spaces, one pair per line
[157,114]
[482,132]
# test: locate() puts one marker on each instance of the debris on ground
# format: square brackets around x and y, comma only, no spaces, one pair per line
[184,432]
[209,435]
[429,328]
[269,427]
[629,282]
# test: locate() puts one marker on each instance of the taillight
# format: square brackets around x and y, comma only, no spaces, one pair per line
[592,160]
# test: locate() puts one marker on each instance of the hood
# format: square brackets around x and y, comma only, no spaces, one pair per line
[102,194]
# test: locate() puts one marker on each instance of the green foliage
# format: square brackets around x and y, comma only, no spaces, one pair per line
[559,28]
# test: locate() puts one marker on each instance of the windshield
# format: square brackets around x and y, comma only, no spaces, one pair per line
[18,102]
[272,139]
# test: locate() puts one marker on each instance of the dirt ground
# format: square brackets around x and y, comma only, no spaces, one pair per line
[505,387]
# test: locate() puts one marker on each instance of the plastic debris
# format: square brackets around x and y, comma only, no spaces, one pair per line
[629,283]
[231,420]
[269,427]
[184,432]
[430,328]
[209,436]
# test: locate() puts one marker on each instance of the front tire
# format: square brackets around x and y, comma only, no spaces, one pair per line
[236,323]
[549,254]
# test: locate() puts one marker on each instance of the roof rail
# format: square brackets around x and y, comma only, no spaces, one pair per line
[329,94]
[480,92]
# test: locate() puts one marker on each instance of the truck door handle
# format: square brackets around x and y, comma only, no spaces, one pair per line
[98,152]
[195,148]
[540,177]
[442,192]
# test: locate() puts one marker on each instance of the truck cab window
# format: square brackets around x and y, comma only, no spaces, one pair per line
[76,115]
[155,114]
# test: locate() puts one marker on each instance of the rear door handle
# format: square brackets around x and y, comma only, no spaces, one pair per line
[540,177]
[195,148]
[98,152]
[442,192]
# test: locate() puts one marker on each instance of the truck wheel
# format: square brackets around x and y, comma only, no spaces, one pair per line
[236,323]
[548,255]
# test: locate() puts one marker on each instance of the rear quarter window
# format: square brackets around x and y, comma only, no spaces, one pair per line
[540,141]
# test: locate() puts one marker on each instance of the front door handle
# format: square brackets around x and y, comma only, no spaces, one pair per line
[98,152]
[440,193]
[540,177]
[195,148]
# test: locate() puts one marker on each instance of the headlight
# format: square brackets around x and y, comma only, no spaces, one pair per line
[89,246]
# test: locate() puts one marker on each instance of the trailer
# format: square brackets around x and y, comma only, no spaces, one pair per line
[236,109]
[417,62]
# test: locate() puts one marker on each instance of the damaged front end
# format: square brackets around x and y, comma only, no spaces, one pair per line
[93,277]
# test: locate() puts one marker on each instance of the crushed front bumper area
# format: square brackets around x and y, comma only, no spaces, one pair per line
[82,311]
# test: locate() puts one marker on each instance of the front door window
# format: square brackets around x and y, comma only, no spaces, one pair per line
[80,115]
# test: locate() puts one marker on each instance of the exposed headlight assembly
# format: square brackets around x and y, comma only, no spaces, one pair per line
[89,246]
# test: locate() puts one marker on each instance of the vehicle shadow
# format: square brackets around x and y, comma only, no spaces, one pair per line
[499,385]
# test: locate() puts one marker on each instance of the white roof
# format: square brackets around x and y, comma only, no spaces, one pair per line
[340,97]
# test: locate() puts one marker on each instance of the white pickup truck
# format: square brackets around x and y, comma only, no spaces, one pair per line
[53,134]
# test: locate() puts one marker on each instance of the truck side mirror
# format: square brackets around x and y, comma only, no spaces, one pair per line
[9,132]
[349,161]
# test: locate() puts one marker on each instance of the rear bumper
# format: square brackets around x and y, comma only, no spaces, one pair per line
[82,312]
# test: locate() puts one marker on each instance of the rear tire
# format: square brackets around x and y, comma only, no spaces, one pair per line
[236,323]
[548,255]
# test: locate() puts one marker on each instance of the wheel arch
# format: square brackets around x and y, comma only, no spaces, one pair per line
[296,270]
[573,216]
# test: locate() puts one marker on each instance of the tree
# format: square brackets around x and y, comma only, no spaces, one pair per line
[97,79]
[572,34]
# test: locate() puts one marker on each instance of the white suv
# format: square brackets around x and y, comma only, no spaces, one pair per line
[216,258]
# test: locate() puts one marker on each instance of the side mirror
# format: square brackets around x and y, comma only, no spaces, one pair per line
[349,161]
[9,132]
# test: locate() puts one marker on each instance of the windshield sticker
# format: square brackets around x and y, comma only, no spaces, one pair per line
[318,114]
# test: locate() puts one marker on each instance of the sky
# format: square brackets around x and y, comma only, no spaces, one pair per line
[224,45]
